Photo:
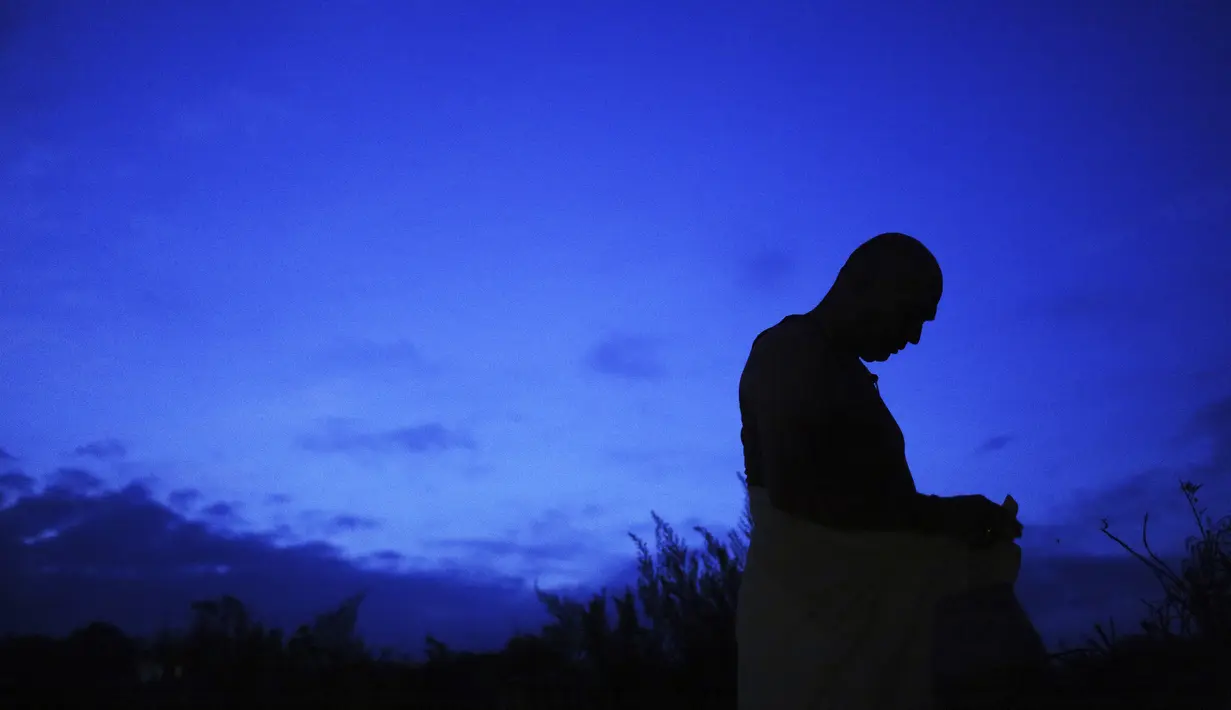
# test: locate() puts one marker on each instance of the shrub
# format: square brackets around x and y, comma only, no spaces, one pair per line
[1196,602]
[677,624]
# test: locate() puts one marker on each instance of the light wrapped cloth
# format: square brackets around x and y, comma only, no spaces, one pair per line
[986,649]
[835,620]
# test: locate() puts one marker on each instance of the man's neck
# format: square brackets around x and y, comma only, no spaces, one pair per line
[827,319]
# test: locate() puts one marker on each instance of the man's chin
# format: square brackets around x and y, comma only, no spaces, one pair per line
[879,357]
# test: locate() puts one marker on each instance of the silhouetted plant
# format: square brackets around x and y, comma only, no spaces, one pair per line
[333,632]
[436,650]
[1182,646]
[103,652]
[684,629]
[1196,599]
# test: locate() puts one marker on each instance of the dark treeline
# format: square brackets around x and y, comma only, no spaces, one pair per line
[668,641]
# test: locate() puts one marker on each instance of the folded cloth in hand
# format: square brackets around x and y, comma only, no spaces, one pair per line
[982,634]
[998,563]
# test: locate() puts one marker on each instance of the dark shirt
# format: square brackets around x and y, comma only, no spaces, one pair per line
[817,434]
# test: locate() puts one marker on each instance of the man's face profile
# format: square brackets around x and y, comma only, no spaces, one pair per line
[888,289]
[894,319]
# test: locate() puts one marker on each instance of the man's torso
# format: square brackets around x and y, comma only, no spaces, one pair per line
[856,448]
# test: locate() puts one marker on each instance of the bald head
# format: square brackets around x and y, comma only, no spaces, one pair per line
[889,287]
[892,260]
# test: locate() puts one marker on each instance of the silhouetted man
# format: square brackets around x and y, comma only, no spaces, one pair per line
[847,558]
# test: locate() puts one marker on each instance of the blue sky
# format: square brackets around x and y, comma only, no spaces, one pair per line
[469,285]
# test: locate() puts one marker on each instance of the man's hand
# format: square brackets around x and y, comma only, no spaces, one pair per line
[977,521]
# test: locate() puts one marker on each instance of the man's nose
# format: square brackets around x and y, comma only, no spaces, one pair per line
[916,334]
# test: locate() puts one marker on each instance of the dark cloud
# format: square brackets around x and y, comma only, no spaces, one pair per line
[75,479]
[102,449]
[122,556]
[5,455]
[183,499]
[222,512]
[16,482]
[388,559]
[342,436]
[1156,490]
[426,437]
[372,355]
[349,523]
[1066,595]
[277,499]
[631,357]
[489,550]
[766,271]
[1212,422]
[320,524]
[549,541]
[994,443]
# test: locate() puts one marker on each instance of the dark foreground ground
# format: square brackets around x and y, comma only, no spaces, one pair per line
[100,667]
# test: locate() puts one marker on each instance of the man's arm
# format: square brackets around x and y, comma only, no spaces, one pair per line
[851,510]
[842,503]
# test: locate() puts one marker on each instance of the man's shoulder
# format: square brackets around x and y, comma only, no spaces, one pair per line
[793,334]
[794,353]
[791,353]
